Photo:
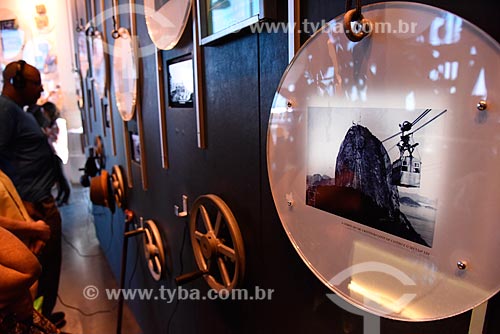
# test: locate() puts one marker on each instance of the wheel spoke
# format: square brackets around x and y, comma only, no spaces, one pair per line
[158,264]
[205,218]
[229,252]
[206,265]
[223,272]
[198,235]
[217,223]
[154,250]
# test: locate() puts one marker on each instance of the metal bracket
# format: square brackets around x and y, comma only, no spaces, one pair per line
[184,207]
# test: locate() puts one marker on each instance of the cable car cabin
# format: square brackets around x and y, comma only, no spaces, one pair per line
[406,172]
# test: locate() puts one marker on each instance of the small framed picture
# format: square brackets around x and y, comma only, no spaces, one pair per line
[136,147]
[180,82]
[220,18]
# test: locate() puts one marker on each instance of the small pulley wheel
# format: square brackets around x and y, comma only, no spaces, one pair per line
[118,186]
[153,250]
[217,243]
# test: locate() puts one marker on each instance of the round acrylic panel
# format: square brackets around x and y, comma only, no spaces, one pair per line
[125,74]
[166,20]
[82,54]
[99,65]
[383,168]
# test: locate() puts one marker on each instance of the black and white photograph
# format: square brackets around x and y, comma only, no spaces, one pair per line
[377,167]
[180,82]
[136,147]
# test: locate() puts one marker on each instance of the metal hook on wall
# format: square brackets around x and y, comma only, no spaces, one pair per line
[356,27]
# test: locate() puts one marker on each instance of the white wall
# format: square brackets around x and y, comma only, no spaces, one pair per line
[59,34]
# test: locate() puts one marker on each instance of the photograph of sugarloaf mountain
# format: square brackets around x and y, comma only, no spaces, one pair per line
[376,167]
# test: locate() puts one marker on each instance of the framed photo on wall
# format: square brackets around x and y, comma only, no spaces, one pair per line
[180,82]
[136,147]
[218,18]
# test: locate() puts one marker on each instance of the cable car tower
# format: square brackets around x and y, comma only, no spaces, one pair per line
[407,169]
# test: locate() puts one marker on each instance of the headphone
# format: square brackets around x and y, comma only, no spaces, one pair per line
[18,80]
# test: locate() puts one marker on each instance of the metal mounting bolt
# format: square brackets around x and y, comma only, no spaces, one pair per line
[462,265]
[289,200]
[482,105]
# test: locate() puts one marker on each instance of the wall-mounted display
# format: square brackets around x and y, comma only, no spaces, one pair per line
[128,153]
[166,20]
[80,100]
[360,150]
[160,83]
[79,90]
[83,60]
[154,250]
[136,147]
[118,187]
[218,18]
[382,160]
[198,74]
[99,65]
[217,243]
[180,82]
[125,74]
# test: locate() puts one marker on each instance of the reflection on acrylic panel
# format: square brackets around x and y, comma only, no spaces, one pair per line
[225,13]
[159,4]
[82,54]
[99,65]
[377,173]
[180,84]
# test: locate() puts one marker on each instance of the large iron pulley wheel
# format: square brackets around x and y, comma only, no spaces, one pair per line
[153,250]
[217,243]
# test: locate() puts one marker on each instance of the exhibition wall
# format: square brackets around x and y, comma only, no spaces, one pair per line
[241,72]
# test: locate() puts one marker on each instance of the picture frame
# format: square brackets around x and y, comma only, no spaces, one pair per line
[136,147]
[160,83]
[219,18]
[180,82]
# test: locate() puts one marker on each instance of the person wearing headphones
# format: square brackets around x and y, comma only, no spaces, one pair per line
[28,160]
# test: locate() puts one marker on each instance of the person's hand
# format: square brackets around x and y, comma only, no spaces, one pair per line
[41,230]
[36,246]
[40,235]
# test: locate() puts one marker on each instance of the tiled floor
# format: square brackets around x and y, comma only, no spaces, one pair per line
[84,265]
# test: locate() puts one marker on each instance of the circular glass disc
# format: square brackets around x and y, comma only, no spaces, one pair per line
[99,65]
[82,53]
[166,20]
[125,74]
[383,162]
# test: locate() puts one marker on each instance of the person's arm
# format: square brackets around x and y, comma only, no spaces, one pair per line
[19,269]
[26,229]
